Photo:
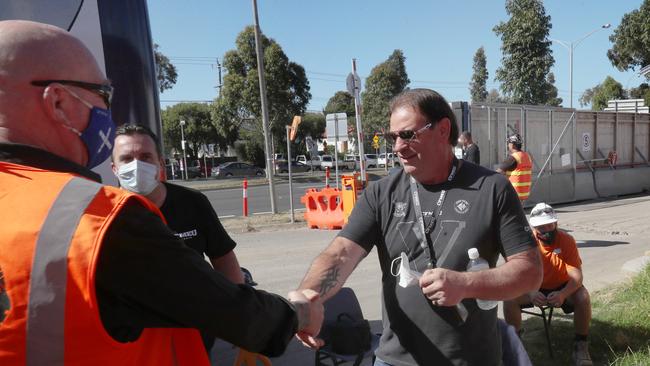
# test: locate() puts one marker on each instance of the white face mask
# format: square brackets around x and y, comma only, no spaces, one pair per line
[407,276]
[138,177]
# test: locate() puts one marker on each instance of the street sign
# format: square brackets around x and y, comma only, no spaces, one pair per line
[334,121]
[353,82]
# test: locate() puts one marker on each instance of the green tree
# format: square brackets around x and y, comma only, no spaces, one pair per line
[198,127]
[477,87]
[641,92]
[225,123]
[165,70]
[287,89]
[494,97]
[313,124]
[341,102]
[551,91]
[386,80]
[631,40]
[527,56]
[599,95]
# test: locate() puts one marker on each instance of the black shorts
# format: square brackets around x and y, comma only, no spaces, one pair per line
[567,305]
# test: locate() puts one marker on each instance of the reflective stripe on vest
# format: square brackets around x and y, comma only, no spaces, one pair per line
[521,177]
[46,310]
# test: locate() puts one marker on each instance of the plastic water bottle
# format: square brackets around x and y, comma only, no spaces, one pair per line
[476,263]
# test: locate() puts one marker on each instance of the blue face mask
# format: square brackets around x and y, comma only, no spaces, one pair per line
[98,136]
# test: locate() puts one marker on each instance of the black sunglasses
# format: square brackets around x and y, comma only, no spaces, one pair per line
[103,90]
[407,135]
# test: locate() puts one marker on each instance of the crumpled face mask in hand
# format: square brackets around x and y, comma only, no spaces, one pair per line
[407,276]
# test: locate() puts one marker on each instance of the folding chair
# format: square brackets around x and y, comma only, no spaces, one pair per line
[345,301]
[546,318]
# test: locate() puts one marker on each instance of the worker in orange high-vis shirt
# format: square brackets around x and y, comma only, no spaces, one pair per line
[518,167]
[562,283]
[90,274]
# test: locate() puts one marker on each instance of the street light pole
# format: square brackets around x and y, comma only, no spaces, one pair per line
[571,46]
[183,147]
[265,109]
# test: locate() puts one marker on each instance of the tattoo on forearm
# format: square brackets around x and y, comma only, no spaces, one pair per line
[329,280]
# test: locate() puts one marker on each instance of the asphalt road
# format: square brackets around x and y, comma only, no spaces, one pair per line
[228,202]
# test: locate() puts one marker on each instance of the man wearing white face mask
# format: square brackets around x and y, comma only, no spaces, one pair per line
[137,163]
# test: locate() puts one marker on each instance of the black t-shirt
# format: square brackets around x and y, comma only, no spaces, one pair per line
[481,210]
[191,216]
[472,154]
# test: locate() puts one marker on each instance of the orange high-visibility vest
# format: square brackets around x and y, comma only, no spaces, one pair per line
[521,177]
[52,226]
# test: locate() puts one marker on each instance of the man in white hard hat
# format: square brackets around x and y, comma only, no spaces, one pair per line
[562,284]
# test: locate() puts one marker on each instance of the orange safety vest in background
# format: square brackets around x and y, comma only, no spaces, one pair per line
[521,177]
[52,227]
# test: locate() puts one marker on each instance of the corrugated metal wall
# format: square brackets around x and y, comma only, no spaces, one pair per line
[571,149]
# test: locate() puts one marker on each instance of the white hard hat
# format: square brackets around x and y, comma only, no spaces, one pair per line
[542,214]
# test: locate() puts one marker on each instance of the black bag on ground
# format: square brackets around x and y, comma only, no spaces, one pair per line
[349,336]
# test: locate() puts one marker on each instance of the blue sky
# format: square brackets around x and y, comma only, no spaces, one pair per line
[439,39]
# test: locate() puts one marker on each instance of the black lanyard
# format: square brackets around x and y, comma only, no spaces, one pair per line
[425,230]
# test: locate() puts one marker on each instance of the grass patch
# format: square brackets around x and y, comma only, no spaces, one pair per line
[619,334]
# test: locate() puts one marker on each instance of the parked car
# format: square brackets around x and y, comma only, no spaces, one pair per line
[194,169]
[328,161]
[237,169]
[392,159]
[315,162]
[296,167]
[176,171]
[371,160]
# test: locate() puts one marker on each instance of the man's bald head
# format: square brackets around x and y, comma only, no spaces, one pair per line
[30,50]
[37,116]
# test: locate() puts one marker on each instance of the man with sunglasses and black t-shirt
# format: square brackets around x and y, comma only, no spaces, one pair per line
[423,219]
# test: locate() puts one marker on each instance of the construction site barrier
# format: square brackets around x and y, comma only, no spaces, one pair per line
[351,186]
[324,208]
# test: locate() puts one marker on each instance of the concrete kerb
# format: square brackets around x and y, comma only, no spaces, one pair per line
[636,265]
[230,183]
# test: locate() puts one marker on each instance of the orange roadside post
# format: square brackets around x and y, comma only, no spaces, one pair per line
[245,198]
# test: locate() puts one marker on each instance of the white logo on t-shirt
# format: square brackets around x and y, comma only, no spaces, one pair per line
[400,209]
[187,234]
[461,206]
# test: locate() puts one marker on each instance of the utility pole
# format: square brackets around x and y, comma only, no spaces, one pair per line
[219,69]
[265,109]
[357,110]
